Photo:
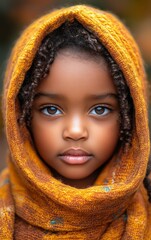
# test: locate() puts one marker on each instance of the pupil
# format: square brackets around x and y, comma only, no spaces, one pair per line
[52,110]
[99,110]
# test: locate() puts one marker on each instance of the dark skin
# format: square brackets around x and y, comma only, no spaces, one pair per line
[76,107]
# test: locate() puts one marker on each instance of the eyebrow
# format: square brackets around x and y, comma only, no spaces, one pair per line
[103,96]
[49,95]
[93,96]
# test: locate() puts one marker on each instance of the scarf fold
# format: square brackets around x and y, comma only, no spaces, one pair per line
[33,204]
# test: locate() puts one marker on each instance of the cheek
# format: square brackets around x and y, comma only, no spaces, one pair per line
[106,137]
[46,138]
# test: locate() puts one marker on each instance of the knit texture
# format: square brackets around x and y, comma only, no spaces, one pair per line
[33,204]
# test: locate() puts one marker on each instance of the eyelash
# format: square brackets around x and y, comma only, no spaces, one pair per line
[106,110]
[48,107]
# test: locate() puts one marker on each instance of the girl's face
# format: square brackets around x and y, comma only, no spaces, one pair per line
[75,117]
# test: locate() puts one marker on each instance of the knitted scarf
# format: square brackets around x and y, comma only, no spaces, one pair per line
[35,205]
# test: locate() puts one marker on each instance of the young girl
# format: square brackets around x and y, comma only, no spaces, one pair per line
[77,128]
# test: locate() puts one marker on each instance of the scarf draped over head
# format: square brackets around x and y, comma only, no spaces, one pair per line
[33,204]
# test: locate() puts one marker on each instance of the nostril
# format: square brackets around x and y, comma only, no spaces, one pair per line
[74,135]
[75,129]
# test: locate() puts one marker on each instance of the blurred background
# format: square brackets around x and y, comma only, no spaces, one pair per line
[15,15]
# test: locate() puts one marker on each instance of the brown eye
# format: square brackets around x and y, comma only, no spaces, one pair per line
[51,111]
[100,110]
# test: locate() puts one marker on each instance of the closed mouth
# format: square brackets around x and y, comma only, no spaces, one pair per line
[75,156]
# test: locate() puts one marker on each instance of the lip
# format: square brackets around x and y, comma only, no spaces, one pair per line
[75,156]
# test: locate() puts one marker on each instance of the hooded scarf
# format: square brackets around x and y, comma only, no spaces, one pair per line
[35,205]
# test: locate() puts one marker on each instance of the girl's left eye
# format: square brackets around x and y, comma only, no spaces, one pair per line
[100,111]
[51,111]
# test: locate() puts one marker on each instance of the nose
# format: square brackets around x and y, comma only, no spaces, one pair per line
[75,129]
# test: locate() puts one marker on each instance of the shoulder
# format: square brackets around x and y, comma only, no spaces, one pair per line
[7,210]
[4,181]
[4,174]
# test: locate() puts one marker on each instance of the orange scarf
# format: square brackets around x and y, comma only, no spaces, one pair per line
[34,205]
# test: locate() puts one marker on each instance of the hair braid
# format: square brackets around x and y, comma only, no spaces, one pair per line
[147,179]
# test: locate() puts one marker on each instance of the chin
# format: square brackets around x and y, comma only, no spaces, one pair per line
[71,174]
[75,175]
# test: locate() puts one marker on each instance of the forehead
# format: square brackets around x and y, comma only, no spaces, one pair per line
[78,74]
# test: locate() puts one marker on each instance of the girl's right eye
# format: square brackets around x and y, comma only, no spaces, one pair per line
[50,111]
